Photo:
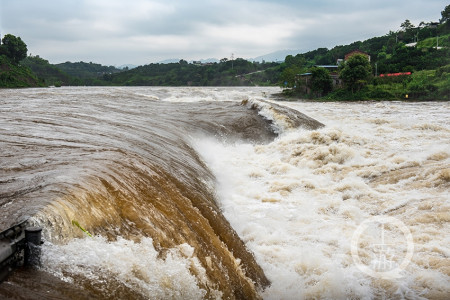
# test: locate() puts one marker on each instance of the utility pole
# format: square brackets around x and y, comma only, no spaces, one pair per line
[435,25]
[232,59]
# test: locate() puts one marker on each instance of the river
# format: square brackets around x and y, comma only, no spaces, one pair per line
[195,193]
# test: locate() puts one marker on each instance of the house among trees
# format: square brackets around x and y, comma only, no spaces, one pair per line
[334,73]
[350,54]
[304,81]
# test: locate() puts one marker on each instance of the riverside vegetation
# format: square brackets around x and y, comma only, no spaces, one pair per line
[423,50]
[12,74]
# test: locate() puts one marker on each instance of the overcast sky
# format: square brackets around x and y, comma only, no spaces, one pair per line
[116,32]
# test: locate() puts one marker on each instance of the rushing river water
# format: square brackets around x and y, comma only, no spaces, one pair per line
[197,193]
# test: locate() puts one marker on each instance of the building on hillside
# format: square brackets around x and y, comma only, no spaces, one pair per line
[334,73]
[303,81]
[350,54]
[200,63]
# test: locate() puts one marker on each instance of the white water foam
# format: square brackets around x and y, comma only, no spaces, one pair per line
[134,265]
[298,201]
[201,94]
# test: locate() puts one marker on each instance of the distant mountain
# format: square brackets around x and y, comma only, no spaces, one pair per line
[129,66]
[175,60]
[209,60]
[277,56]
[169,61]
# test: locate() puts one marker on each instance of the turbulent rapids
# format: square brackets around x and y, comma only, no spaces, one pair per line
[226,193]
[121,165]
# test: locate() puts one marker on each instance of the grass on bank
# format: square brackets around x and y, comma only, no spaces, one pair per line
[442,41]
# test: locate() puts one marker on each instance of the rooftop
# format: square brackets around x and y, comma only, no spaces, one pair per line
[327,66]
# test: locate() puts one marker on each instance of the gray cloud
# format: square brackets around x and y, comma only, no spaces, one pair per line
[143,31]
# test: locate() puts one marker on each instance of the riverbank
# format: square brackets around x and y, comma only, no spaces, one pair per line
[419,86]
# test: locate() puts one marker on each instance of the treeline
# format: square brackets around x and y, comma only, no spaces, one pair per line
[68,73]
[48,74]
[226,73]
[83,70]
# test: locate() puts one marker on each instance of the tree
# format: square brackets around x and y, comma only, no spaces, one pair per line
[14,48]
[321,82]
[407,25]
[287,77]
[356,72]
[292,66]
[445,14]
[407,34]
[297,60]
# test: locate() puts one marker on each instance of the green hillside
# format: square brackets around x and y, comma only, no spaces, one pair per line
[12,73]
[226,73]
[84,70]
[14,76]
[48,74]
[411,52]
[68,73]
[441,41]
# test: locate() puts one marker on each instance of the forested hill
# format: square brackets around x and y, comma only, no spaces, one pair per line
[415,60]
[68,73]
[410,49]
[85,70]
[225,73]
